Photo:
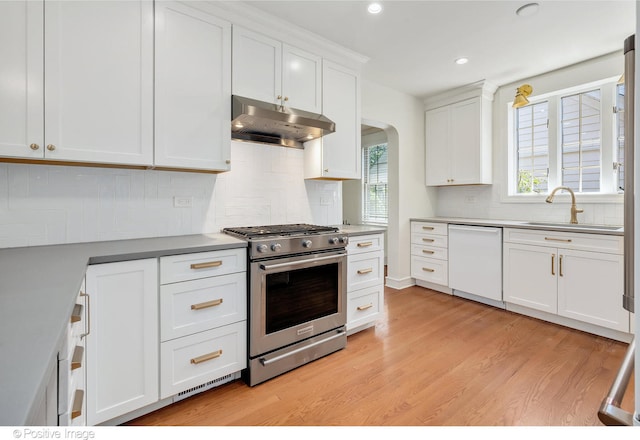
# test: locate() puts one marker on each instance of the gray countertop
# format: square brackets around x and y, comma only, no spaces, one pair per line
[521,224]
[38,288]
[353,230]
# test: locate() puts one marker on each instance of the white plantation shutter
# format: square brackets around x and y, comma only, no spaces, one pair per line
[375,166]
[532,144]
[581,141]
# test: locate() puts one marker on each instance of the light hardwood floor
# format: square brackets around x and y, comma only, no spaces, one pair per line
[432,360]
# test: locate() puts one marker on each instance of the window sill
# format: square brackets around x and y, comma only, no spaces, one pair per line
[564,197]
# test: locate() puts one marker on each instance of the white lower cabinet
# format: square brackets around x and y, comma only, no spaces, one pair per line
[365,281]
[430,252]
[122,345]
[580,278]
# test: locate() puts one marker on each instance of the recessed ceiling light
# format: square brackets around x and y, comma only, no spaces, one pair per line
[527,10]
[462,60]
[374,8]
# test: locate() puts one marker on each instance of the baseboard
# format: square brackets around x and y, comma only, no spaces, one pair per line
[399,283]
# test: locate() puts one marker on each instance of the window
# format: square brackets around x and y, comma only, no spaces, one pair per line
[567,139]
[375,182]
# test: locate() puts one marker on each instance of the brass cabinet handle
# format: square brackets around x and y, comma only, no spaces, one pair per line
[76,315]
[34,147]
[564,240]
[368,306]
[428,228]
[286,98]
[51,147]
[553,264]
[279,97]
[365,244]
[428,240]
[364,271]
[76,359]
[206,265]
[228,161]
[426,269]
[76,410]
[207,304]
[560,266]
[206,357]
[425,251]
[88,315]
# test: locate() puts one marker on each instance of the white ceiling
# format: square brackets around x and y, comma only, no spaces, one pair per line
[412,45]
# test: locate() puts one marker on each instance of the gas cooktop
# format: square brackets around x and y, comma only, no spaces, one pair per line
[279,230]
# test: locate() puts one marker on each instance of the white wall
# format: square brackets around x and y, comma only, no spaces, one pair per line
[490,202]
[43,204]
[402,118]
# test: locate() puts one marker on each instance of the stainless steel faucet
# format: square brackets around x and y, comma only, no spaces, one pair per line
[574,209]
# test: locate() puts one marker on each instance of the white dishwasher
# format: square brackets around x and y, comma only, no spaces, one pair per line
[475,263]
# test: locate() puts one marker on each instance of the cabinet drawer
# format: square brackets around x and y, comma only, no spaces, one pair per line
[440,241]
[194,306]
[201,265]
[429,228]
[194,360]
[429,252]
[365,270]
[365,243]
[76,327]
[76,414]
[71,378]
[430,269]
[568,240]
[363,306]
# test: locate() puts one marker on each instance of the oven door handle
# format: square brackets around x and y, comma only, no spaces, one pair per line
[301,262]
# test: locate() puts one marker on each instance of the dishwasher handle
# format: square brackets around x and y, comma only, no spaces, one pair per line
[610,413]
[487,229]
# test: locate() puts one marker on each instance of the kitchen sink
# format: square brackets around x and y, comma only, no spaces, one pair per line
[576,226]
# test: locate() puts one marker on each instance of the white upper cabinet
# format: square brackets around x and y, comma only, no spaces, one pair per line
[337,155]
[458,141]
[268,70]
[99,81]
[21,76]
[193,89]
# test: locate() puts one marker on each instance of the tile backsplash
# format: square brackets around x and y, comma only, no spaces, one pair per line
[44,204]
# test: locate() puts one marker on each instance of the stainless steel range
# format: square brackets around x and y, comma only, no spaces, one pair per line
[297,296]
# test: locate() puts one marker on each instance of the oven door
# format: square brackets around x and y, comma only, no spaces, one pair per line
[296,298]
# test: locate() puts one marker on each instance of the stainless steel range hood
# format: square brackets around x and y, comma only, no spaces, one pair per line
[258,121]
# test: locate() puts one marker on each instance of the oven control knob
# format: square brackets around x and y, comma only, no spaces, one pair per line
[333,240]
[344,240]
[276,247]
[262,248]
[307,243]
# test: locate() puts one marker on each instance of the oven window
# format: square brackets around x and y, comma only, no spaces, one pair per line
[301,295]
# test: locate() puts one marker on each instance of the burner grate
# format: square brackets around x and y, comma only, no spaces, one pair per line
[279,230]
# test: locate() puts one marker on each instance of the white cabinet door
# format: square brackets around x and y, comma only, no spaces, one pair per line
[590,287]
[22,73]
[193,89]
[530,276]
[122,345]
[437,146]
[257,66]
[302,79]
[99,81]
[465,148]
[337,155]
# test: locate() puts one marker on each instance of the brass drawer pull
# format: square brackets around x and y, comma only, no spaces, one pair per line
[363,271]
[564,240]
[553,264]
[365,244]
[428,228]
[426,269]
[206,265]
[76,359]
[368,306]
[76,410]
[424,251]
[428,240]
[207,304]
[206,357]
[76,315]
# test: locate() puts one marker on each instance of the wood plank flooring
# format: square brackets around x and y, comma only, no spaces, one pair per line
[432,360]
